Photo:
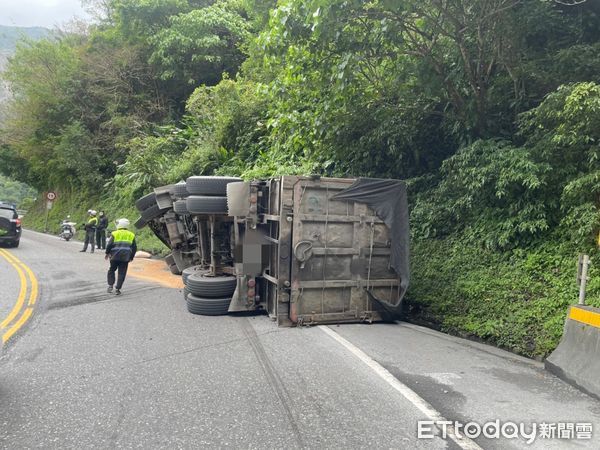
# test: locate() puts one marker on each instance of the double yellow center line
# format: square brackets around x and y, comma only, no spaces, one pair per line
[21,311]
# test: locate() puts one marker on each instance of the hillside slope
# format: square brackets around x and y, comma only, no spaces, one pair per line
[9,36]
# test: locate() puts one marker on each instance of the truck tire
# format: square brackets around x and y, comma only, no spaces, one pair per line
[146,202]
[189,271]
[180,207]
[207,306]
[169,260]
[203,204]
[140,223]
[180,190]
[171,264]
[209,185]
[152,213]
[185,293]
[211,287]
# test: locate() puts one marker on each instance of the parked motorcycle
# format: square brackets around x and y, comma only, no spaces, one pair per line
[67,230]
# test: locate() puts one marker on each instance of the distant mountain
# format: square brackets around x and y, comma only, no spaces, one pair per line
[4,92]
[9,36]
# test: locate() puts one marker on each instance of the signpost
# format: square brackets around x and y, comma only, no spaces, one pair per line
[50,197]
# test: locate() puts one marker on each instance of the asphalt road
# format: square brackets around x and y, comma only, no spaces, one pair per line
[9,289]
[92,370]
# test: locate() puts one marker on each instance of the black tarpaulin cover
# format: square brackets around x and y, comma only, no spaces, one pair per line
[388,199]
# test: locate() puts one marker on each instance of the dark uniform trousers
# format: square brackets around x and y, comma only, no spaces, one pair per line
[121,267]
[90,238]
[101,238]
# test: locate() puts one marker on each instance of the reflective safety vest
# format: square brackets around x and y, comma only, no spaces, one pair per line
[91,224]
[121,246]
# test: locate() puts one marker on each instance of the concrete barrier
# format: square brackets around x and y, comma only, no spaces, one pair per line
[576,360]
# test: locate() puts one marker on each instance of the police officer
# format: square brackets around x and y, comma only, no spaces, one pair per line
[101,231]
[90,231]
[120,250]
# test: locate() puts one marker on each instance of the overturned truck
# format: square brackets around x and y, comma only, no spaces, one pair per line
[307,250]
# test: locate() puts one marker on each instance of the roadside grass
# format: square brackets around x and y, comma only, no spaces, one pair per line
[77,205]
[516,300]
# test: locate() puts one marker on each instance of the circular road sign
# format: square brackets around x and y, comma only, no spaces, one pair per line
[51,196]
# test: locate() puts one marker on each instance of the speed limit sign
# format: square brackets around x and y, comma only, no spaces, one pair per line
[51,196]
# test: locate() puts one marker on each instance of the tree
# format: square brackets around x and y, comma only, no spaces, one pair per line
[199,46]
[40,76]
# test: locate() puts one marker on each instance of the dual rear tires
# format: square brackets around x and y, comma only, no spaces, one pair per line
[205,306]
[214,186]
[204,204]
[208,195]
[197,195]
[205,295]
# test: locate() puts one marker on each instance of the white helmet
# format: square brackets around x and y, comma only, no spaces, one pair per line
[92,213]
[122,223]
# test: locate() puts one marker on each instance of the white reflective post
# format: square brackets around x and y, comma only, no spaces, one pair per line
[583,279]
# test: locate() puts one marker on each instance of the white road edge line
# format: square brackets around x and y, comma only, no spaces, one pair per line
[422,405]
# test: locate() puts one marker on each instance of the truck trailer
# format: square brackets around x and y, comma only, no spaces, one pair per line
[307,250]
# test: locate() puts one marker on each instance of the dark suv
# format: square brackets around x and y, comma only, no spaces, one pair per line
[10,225]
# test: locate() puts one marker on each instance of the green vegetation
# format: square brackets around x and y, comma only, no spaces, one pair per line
[14,192]
[76,206]
[490,110]
[516,299]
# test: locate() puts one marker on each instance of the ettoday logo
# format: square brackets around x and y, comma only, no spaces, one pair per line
[428,429]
